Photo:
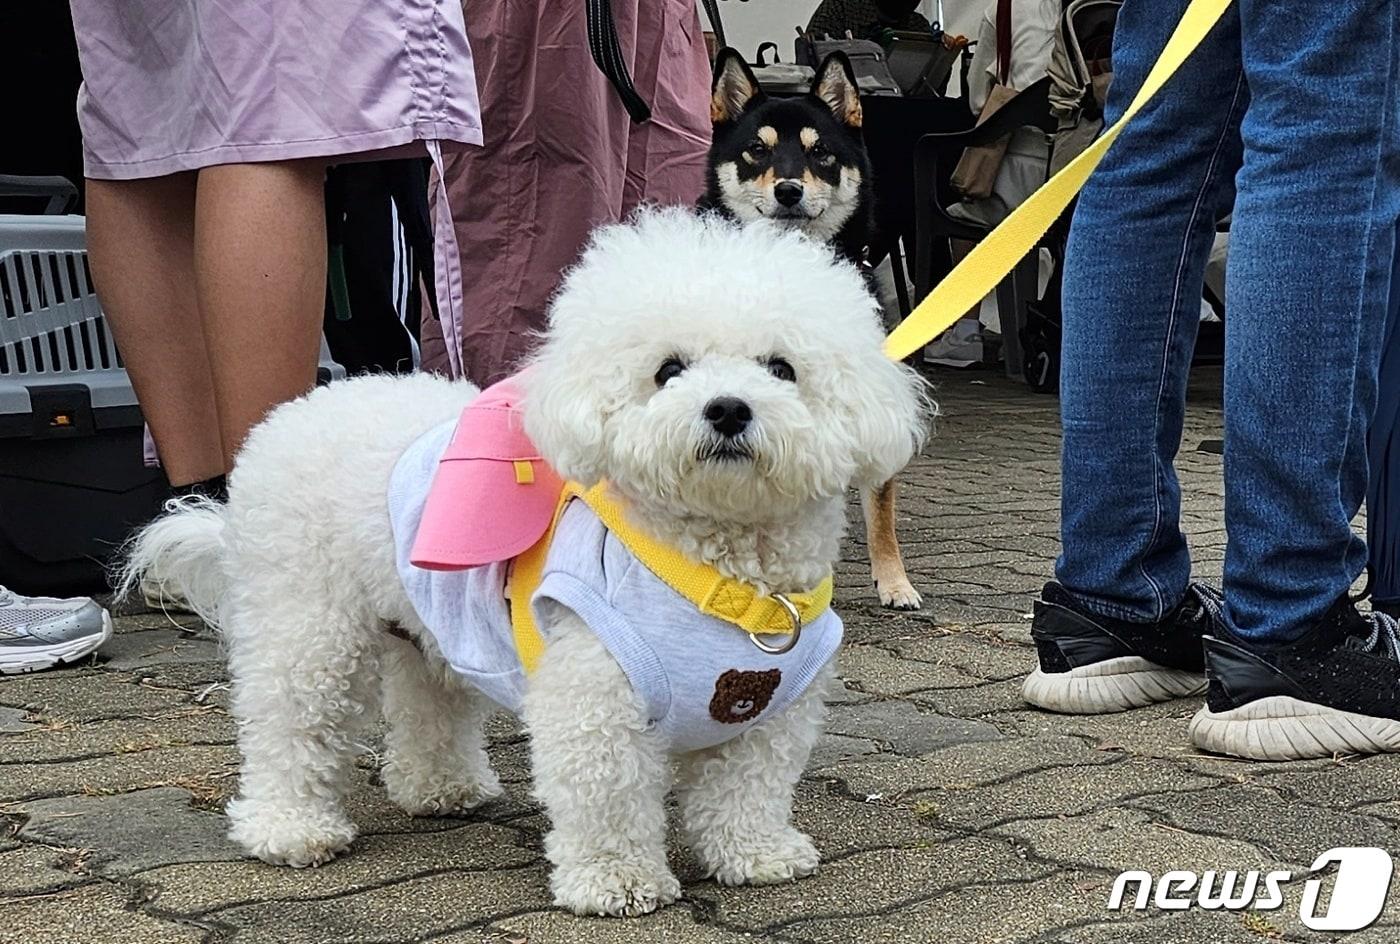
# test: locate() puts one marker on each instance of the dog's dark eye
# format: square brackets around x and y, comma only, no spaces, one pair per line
[756,151]
[670,368]
[781,369]
[822,155]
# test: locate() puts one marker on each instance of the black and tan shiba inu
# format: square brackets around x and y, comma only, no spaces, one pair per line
[801,161]
[798,160]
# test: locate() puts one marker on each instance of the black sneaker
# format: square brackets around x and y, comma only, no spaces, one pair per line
[1334,691]
[1094,665]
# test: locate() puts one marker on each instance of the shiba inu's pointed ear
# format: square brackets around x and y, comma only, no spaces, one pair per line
[733,88]
[835,85]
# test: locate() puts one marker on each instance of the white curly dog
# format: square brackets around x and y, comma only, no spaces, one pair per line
[662,316]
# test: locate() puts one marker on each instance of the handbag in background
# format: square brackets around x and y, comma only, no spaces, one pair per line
[872,71]
[976,172]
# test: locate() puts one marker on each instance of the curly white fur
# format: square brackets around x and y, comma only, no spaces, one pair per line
[297,569]
[724,298]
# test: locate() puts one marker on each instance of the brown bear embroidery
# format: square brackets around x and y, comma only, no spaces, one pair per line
[740,696]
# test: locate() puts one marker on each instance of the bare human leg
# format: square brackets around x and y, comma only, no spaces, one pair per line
[260,268]
[141,247]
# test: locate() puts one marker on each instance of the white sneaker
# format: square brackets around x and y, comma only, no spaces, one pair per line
[41,632]
[959,346]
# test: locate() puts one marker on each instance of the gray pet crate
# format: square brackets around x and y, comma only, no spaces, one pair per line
[73,479]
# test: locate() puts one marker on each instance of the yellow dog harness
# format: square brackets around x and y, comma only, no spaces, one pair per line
[712,593]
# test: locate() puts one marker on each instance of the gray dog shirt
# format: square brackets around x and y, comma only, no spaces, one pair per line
[701,678]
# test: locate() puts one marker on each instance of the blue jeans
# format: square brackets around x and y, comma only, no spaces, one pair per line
[1383,497]
[1288,110]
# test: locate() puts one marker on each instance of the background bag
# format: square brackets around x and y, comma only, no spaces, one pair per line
[976,172]
[781,78]
[868,62]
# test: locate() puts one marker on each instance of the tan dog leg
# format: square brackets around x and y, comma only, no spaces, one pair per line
[886,565]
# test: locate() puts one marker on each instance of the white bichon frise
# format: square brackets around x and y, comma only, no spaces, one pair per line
[728,385]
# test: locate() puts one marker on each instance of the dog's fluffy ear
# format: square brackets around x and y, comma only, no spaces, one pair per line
[734,87]
[562,417]
[892,411]
[835,85]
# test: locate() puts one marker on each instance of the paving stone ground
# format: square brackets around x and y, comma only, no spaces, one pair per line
[946,811]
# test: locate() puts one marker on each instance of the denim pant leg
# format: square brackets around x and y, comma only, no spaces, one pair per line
[1136,260]
[1383,496]
[1306,302]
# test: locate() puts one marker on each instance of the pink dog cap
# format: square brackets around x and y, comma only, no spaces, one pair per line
[492,496]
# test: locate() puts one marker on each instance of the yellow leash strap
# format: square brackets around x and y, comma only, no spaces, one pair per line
[992,258]
[712,593]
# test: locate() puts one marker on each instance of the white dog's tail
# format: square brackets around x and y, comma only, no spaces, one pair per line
[180,556]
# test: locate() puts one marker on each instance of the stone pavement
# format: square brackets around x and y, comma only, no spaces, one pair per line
[944,809]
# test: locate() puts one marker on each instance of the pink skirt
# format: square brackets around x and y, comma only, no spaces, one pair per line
[176,85]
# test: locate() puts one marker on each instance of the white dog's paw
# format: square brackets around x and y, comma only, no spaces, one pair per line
[295,837]
[442,796]
[614,886]
[763,860]
[897,593]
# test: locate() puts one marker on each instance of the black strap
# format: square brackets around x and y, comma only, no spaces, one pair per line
[712,11]
[607,53]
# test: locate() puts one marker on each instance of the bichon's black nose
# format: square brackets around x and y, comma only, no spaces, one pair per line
[788,193]
[729,416]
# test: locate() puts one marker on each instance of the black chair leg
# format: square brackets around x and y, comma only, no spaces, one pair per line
[1014,294]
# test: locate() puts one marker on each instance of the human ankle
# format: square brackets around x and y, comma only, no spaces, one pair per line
[215,487]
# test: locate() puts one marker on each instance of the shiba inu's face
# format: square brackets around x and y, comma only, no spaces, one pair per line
[798,161]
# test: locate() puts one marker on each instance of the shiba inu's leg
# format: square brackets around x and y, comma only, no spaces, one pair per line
[736,799]
[602,776]
[304,676]
[435,751]
[886,564]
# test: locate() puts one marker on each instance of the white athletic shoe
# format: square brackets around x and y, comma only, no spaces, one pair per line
[41,632]
[1096,665]
[1334,690]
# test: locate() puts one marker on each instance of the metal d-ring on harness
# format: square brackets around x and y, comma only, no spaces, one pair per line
[793,615]
[607,52]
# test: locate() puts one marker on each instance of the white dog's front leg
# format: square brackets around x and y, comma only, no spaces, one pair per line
[736,798]
[602,776]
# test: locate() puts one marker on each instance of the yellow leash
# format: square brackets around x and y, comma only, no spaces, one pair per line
[989,262]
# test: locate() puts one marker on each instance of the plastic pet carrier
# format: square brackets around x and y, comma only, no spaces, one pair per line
[73,481]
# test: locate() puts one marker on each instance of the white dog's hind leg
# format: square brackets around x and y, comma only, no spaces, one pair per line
[736,798]
[303,682]
[435,749]
[602,776]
